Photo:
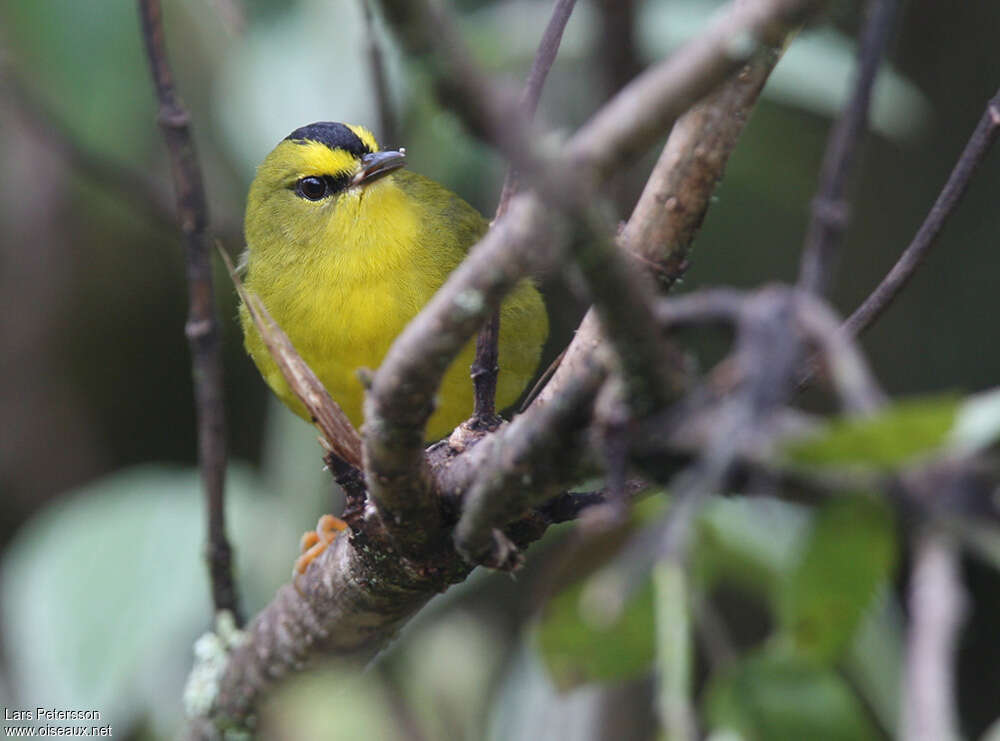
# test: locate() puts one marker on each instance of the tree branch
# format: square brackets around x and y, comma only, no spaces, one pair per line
[975,152]
[401,398]
[937,606]
[617,51]
[486,365]
[545,57]
[340,438]
[356,595]
[403,388]
[670,212]
[202,328]
[830,208]
[650,104]
[677,195]
[520,468]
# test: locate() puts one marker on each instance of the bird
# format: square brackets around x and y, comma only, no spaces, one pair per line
[344,247]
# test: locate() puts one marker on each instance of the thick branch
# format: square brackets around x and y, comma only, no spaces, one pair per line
[520,468]
[677,195]
[339,607]
[954,189]
[623,301]
[401,398]
[202,329]
[830,207]
[670,212]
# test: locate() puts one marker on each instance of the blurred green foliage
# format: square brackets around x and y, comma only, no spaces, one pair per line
[103,588]
[887,440]
[773,697]
[580,648]
[847,560]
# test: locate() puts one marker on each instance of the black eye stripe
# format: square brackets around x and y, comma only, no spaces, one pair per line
[318,187]
[337,183]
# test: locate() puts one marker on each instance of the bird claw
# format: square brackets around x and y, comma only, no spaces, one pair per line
[314,542]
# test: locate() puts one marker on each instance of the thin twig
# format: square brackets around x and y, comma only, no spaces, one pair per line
[485,371]
[954,189]
[521,460]
[548,48]
[340,438]
[937,606]
[617,50]
[202,327]
[856,387]
[830,209]
[852,379]
[388,133]
[486,365]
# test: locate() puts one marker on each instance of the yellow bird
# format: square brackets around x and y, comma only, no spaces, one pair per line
[344,248]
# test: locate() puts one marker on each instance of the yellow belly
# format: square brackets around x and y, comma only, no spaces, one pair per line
[350,330]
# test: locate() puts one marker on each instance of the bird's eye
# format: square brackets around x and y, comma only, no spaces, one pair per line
[313,188]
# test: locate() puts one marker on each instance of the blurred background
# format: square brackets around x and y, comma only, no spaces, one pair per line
[103,588]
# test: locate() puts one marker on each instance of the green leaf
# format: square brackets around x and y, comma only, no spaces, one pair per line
[603,627]
[105,590]
[578,647]
[848,556]
[896,436]
[771,697]
[753,542]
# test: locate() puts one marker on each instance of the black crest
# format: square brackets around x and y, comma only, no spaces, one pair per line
[334,135]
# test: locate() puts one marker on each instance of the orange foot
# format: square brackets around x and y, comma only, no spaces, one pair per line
[315,542]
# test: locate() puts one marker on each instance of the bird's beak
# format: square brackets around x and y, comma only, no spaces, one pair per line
[377,165]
